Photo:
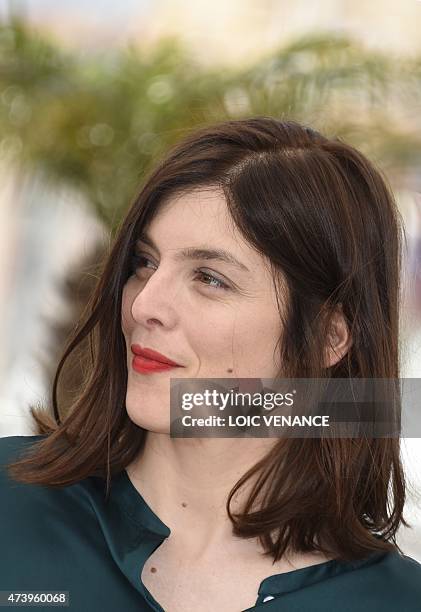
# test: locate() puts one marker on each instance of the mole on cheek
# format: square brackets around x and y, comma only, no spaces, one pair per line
[229,370]
[153,570]
[184,504]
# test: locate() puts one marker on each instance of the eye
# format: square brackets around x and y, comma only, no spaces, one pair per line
[140,261]
[219,284]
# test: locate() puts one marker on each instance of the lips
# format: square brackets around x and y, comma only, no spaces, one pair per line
[154,357]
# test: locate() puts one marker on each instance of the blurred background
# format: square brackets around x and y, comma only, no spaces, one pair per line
[91,94]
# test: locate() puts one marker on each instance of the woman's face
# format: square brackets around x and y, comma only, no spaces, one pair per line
[221,327]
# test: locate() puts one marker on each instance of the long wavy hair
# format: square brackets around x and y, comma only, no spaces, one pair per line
[326,218]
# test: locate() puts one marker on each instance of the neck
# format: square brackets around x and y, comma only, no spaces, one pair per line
[186,482]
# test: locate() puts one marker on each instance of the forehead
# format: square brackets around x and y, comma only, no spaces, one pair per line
[200,213]
[199,218]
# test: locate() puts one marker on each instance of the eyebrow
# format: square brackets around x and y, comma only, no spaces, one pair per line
[194,253]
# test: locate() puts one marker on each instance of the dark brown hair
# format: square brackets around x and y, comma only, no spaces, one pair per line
[326,219]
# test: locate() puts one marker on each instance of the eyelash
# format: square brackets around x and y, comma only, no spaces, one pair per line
[136,260]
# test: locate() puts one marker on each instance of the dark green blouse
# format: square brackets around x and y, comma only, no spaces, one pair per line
[71,539]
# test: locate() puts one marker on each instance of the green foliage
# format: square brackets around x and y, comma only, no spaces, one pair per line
[99,122]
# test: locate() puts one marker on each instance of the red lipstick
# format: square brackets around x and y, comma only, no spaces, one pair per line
[146,360]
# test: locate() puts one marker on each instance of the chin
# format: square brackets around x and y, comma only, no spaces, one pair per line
[149,416]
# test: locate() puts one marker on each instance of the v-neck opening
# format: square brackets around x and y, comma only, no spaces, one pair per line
[139,511]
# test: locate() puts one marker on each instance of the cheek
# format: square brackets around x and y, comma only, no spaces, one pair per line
[127,321]
[255,341]
[242,338]
[212,330]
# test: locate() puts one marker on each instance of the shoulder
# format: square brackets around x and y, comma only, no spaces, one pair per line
[402,578]
[44,529]
[20,504]
[382,582]
[392,582]
[9,445]
[28,511]
[17,498]
[12,448]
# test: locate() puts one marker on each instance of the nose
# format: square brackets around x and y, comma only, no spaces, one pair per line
[155,303]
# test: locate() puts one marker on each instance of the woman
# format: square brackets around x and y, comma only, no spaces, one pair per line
[257,249]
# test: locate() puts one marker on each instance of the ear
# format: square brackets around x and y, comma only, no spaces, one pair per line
[339,338]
